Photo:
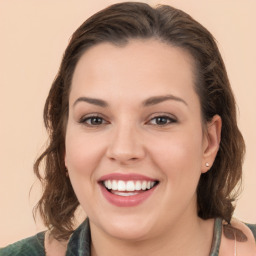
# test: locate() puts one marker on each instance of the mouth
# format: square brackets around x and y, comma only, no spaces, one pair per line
[126,190]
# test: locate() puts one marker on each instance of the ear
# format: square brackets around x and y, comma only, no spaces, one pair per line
[211,142]
[65,160]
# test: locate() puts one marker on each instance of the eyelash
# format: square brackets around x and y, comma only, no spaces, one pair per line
[84,120]
[169,120]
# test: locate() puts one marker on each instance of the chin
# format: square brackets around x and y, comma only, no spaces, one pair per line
[132,228]
[130,232]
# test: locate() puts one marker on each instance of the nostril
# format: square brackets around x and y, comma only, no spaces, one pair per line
[123,158]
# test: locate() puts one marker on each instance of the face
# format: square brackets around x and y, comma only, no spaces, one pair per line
[135,147]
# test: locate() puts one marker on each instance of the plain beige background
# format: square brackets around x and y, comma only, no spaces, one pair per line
[33,37]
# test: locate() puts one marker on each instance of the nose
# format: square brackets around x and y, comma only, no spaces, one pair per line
[126,145]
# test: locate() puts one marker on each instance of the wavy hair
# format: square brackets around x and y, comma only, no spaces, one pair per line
[118,24]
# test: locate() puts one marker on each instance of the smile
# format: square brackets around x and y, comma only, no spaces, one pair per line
[126,190]
[117,186]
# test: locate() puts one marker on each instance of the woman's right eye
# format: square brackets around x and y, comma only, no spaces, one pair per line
[92,121]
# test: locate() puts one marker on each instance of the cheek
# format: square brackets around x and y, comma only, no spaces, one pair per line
[179,158]
[83,152]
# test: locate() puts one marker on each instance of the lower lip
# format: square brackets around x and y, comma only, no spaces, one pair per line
[126,201]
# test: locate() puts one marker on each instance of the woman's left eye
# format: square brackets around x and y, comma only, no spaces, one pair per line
[162,120]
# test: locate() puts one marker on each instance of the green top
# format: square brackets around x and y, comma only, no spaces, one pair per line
[80,242]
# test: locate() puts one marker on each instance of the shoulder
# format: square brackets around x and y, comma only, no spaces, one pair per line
[252,227]
[31,246]
[248,229]
[79,241]
[238,237]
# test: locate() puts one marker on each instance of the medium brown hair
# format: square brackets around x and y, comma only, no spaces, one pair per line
[118,24]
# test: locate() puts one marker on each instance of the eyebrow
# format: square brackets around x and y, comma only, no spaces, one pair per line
[97,102]
[158,99]
[148,102]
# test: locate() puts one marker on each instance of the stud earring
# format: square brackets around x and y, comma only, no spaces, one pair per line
[207,164]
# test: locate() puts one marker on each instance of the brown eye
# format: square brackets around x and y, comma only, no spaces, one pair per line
[162,120]
[93,121]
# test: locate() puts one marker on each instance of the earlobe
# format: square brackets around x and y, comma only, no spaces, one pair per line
[65,160]
[66,165]
[211,143]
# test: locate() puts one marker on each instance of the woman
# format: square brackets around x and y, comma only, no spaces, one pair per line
[143,135]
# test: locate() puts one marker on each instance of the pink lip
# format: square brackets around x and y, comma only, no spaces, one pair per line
[126,201]
[125,177]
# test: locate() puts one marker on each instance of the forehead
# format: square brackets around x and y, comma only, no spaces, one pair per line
[147,66]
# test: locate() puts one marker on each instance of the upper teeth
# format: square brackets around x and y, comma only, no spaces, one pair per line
[130,185]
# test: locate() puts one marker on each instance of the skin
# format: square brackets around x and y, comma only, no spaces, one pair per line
[247,248]
[128,139]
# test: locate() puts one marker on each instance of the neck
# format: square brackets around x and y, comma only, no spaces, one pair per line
[193,237]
